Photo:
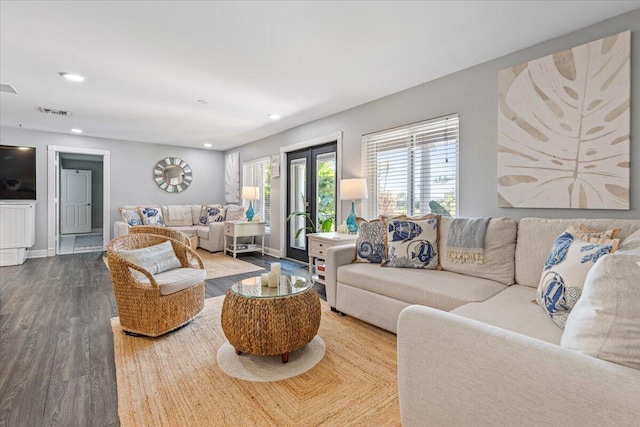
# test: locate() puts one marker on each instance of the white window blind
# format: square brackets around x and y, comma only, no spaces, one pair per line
[412,169]
[257,173]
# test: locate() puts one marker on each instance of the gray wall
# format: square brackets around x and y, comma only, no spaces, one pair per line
[473,94]
[131,172]
[97,193]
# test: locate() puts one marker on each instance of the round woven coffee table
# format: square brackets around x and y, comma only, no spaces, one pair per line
[269,321]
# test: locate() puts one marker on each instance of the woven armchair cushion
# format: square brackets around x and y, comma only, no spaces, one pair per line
[155,259]
[175,280]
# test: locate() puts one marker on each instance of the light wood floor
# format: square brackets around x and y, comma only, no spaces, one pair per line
[56,345]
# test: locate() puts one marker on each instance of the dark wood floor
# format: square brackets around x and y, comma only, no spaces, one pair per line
[56,345]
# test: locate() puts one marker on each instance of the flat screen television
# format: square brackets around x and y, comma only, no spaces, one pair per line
[17,173]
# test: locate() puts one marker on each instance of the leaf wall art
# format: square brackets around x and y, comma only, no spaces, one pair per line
[563,128]
[232,177]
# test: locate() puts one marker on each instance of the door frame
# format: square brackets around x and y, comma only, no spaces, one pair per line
[53,193]
[284,177]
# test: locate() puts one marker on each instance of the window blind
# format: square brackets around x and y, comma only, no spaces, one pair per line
[412,169]
[257,173]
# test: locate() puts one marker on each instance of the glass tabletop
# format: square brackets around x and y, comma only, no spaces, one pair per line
[288,285]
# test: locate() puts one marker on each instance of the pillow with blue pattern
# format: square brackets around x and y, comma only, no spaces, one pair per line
[151,215]
[131,216]
[211,213]
[370,243]
[570,259]
[412,242]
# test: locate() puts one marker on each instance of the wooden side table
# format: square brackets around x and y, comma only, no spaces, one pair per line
[318,245]
[235,229]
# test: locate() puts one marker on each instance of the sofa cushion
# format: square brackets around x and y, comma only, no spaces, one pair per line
[605,323]
[151,215]
[177,215]
[155,259]
[513,309]
[235,213]
[565,271]
[443,290]
[370,245]
[131,216]
[202,231]
[412,243]
[176,280]
[536,236]
[499,251]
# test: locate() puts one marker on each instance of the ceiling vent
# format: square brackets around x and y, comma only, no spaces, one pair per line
[8,89]
[54,112]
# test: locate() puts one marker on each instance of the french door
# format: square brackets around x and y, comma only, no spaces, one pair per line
[311,195]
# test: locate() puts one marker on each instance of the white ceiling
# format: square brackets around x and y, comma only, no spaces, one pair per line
[147,63]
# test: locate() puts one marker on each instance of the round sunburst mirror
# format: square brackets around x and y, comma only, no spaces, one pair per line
[172,174]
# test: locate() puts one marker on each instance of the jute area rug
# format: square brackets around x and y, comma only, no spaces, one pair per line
[220,265]
[174,380]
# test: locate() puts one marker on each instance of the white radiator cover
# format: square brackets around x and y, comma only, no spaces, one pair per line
[17,231]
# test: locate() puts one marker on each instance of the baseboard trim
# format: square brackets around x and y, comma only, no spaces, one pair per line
[41,253]
[273,252]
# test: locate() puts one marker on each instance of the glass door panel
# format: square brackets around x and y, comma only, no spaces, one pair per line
[326,191]
[298,203]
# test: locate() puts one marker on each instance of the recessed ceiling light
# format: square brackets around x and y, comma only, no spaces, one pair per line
[72,77]
[274,116]
[202,101]
[208,145]
[75,130]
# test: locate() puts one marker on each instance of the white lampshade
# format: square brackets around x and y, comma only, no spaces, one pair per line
[353,189]
[250,193]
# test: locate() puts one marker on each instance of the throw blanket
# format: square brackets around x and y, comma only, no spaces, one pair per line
[175,213]
[465,243]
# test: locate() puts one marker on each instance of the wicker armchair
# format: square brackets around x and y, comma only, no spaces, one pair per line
[143,310]
[162,231]
[167,232]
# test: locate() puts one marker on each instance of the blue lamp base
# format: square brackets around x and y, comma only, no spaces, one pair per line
[250,212]
[352,224]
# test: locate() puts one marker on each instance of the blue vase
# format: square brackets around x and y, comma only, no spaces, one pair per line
[352,224]
[250,212]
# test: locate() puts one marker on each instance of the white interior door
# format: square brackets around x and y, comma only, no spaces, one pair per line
[75,201]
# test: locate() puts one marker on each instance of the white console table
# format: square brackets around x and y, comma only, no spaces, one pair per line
[318,245]
[17,231]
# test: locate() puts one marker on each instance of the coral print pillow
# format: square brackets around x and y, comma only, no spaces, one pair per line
[370,244]
[211,213]
[131,217]
[151,216]
[412,243]
[566,269]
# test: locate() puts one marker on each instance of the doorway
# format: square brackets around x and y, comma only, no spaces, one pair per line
[311,195]
[78,218]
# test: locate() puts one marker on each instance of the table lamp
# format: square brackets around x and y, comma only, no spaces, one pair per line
[353,189]
[250,194]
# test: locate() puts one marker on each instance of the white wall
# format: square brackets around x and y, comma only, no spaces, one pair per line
[132,166]
[473,94]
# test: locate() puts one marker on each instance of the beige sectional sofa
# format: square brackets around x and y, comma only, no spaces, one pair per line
[473,349]
[186,218]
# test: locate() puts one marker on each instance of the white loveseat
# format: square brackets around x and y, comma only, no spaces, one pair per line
[186,218]
[473,349]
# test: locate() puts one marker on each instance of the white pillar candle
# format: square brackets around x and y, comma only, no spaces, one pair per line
[273,279]
[264,279]
[276,268]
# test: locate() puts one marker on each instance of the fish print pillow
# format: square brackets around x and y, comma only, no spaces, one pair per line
[412,243]
[151,215]
[370,244]
[565,270]
[211,213]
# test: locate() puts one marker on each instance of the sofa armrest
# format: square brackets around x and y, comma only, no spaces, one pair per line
[120,228]
[458,371]
[335,257]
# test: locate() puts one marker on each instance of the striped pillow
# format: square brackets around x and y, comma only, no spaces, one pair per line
[155,259]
